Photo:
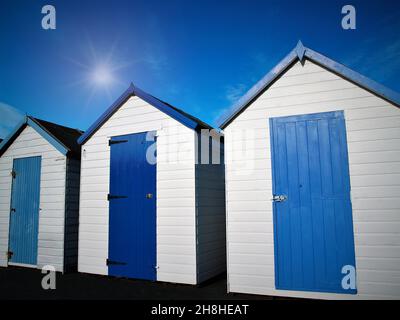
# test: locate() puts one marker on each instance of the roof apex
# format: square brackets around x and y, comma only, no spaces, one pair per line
[300,50]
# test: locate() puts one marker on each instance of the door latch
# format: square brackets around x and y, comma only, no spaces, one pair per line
[13,173]
[149,195]
[112,262]
[110,142]
[279,198]
[110,197]
[13,210]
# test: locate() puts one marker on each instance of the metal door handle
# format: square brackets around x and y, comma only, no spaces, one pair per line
[279,198]
[149,195]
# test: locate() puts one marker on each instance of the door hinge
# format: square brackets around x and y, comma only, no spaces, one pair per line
[111,262]
[9,254]
[110,197]
[110,142]
[13,173]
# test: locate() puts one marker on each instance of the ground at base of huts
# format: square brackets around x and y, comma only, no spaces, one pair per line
[24,283]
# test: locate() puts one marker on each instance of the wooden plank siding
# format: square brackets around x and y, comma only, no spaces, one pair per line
[210,221]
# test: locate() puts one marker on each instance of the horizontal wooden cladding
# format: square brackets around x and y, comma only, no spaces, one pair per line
[259,227]
[172,133]
[373,135]
[389,144]
[351,125]
[374,168]
[184,276]
[248,258]
[307,88]
[376,135]
[377,227]
[91,267]
[377,157]
[176,221]
[386,179]
[390,252]
[376,192]
[168,194]
[389,215]
[248,174]
[316,95]
[254,270]
[172,258]
[253,195]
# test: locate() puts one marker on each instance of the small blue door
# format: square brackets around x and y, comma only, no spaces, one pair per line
[132,200]
[313,227]
[24,211]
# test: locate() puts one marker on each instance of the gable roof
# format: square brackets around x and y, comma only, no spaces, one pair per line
[175,113]
[64,139]
[67,136]
[300,53]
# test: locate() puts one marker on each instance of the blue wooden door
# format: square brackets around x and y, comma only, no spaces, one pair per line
[24,213]
[132,200]
[313,228]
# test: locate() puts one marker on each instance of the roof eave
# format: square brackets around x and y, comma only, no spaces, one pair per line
[39,129]
[355,77]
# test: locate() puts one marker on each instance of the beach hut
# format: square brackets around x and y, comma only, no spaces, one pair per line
[148,209]
[312,183]
[39,196]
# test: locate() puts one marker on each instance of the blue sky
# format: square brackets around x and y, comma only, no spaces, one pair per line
[200,56]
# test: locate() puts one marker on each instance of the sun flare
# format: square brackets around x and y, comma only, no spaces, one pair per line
[102,76]
[100,71]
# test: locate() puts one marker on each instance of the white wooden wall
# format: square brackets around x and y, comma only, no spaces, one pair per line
[52,196]
[373,133]
[176,236]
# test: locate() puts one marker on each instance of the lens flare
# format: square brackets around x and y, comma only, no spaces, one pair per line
[99,71]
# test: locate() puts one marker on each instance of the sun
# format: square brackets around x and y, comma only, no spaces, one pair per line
[98,73]
[102,76]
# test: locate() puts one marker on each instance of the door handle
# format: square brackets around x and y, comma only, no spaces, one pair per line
[279,198]
[13,210]
[149,195]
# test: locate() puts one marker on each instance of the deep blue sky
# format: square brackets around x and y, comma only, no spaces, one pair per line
[198,55]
